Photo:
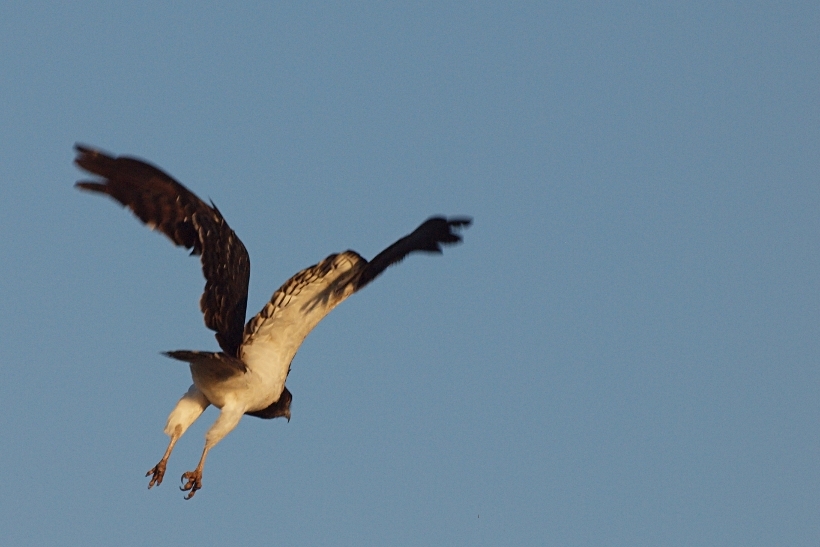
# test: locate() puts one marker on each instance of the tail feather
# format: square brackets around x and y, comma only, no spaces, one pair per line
[190,356]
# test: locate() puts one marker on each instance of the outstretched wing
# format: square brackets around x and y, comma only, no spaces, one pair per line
[164,204]
[429,237]
[273,336]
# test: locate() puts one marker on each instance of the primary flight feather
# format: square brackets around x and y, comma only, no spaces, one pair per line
[248,376]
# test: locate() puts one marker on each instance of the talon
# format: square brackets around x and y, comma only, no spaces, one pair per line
[194,482]
[158,472]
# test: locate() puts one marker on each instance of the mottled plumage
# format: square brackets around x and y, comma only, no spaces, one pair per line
[164,204]
[248,376]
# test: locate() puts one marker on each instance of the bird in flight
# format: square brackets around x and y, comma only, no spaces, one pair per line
[248,376]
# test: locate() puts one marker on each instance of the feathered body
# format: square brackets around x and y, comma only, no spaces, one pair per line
[248,376]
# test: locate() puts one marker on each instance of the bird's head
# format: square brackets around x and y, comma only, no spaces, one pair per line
[285,400]
[282,407]
[279,409]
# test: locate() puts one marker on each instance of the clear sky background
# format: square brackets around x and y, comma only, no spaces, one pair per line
[624,351]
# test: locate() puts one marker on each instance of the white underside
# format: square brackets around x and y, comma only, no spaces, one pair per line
[253,390]
[269,347]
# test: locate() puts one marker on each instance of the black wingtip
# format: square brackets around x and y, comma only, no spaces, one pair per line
[452,224]
[437,231]
[85,155]
[85,152]
[90,186]
[459,222]
[94,161]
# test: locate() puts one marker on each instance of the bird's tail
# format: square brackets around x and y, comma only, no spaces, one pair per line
[216,358]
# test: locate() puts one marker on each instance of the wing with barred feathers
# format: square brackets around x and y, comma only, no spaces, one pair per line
[166,205]
[273,336]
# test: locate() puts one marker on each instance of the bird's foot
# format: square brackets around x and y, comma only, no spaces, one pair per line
[157,473]
[194,482]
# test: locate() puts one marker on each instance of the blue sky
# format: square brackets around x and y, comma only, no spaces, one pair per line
[624,351]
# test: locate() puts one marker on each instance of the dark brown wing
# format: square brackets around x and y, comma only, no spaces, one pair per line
[164,204]
[429,237]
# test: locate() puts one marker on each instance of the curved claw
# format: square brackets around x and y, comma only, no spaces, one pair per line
[194,482]
[158,472]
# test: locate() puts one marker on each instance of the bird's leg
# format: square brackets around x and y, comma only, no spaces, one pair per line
[188,409]
[228,418]
[194,478]
[158,471]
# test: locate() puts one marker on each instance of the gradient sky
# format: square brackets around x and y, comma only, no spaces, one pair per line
[624,351]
